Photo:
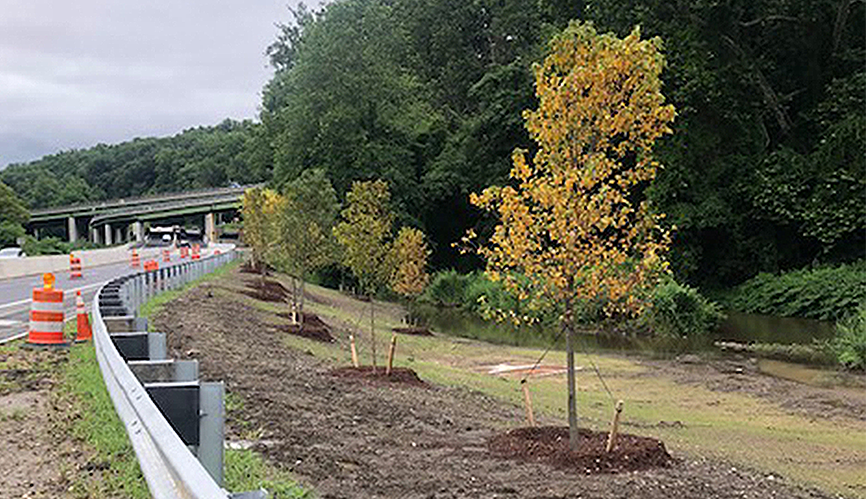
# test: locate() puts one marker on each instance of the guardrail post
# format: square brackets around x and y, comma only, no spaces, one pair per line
[212,428]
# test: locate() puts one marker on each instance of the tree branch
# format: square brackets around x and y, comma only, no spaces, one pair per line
[770,97]
[762,20]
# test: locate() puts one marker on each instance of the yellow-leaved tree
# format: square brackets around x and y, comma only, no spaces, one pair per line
[261,223]
[410,257]
[574,225]
[365,235]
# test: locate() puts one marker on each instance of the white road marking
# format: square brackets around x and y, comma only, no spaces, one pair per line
[27,301]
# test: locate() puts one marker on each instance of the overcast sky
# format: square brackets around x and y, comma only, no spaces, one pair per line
[80,72]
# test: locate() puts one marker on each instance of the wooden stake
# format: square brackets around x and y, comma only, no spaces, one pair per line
[528,401]
[391,354]
[614,428]
[354,351]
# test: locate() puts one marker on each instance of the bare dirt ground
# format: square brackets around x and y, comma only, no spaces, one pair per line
[349,439]
[29,456]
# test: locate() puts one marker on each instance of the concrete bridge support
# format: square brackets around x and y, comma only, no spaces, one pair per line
[210,227]
[138,231]
[108,235]
[72,230]
[94,235]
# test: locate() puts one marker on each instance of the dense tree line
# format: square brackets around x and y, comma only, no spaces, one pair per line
[194,159]
[765,170]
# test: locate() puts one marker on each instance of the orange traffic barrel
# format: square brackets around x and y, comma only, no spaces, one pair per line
[83,331]
[166,255]
[135,262]
[74,267]
[216,252]
[184,251]
[195,251]
[46,314]
[151,265]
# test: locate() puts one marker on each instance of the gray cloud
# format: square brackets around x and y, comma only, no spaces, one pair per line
[74,74]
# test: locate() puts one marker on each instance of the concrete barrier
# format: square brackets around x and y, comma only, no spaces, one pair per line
[32,265]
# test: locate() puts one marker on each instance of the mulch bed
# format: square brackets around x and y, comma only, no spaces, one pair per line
[313,328]
[247,268]
[549,444]
[413,330]
[400,375]
[267,290]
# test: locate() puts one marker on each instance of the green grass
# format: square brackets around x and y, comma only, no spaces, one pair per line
[91,419]
[246,470]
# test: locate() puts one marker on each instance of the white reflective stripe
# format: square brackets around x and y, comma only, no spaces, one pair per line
[46,327]
[42,306]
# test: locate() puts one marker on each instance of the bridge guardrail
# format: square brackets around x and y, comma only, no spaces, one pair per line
[169,467]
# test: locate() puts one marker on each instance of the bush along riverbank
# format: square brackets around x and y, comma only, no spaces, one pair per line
[680,320]
[677,311]
[823,293]
[828,293]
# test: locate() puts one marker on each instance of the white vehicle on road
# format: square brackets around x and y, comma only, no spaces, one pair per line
[13,252]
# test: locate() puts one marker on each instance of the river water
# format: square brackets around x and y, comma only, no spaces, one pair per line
[738,327]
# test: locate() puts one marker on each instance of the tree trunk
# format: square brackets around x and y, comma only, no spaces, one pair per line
[303,287]
[572,387]
[372,332]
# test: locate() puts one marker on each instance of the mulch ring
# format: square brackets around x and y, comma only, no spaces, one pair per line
[247,268]
[549,444]
[266,290]
[313,327]
[412,330]
[399,375]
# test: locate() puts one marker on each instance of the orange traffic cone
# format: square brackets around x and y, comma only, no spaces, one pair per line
[84,332]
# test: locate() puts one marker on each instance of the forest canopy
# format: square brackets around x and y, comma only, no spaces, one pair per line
[765,169]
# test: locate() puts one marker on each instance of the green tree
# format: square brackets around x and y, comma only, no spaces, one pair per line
[261,208]
[13,216]
[365,235]
[574,227]
[306,234]
[410,257]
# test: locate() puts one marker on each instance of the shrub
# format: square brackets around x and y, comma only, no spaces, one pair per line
[849,344]
[678,310]
[447,288]
[824,293]
[47,246]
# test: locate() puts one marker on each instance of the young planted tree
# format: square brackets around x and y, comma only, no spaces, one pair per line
[260,209]
[410,256]
[575,226]
[365,235]
[306,232]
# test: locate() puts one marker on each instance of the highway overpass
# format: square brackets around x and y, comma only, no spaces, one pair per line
[121,220]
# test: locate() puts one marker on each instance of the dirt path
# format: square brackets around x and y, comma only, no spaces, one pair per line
[28,449]
[349,439]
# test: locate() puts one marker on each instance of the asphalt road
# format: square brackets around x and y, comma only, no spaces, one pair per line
[16,293]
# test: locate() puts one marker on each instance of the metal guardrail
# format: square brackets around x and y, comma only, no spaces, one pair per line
[169,467]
